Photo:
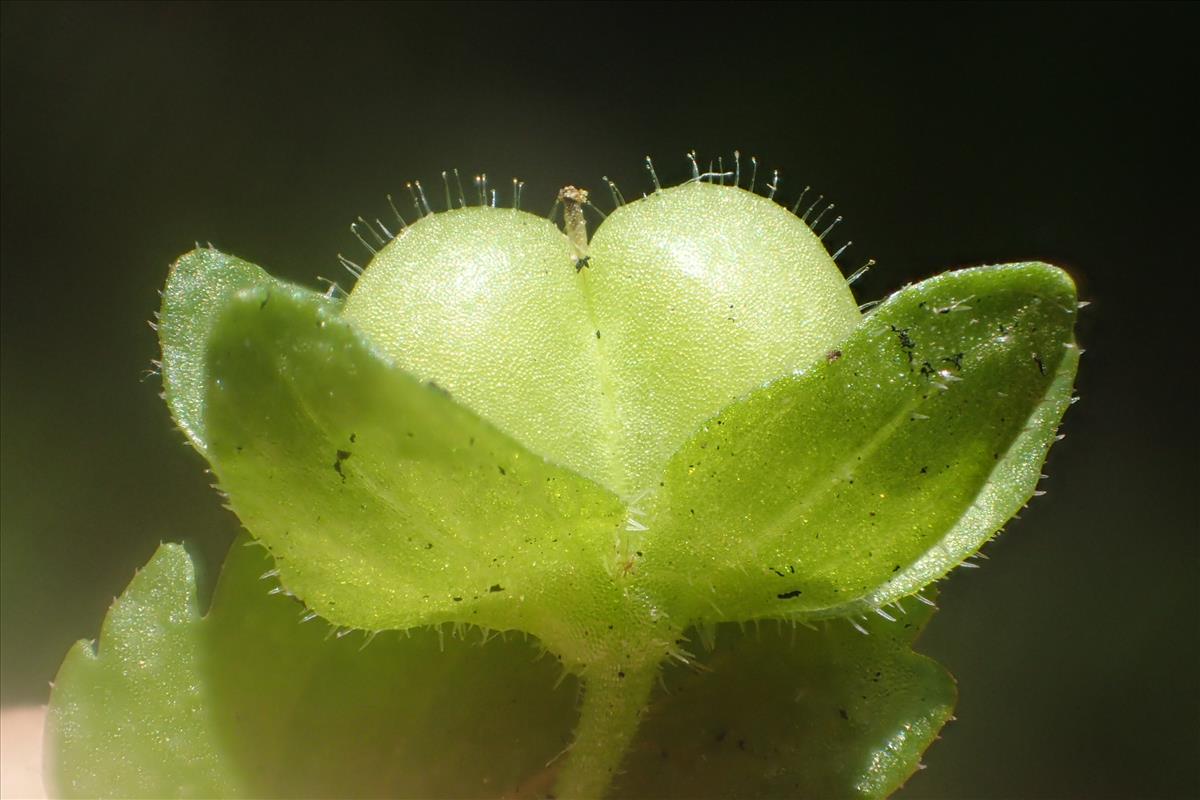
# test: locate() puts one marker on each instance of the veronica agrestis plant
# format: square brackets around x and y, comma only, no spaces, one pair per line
[613,444]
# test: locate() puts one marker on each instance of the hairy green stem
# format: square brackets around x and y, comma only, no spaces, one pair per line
[614,697]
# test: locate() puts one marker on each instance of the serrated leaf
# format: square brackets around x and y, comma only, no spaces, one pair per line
[127,716]
[385,503]
[881,467]
[793,712]
[249,702]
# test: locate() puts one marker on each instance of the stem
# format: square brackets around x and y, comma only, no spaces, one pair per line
[614,696]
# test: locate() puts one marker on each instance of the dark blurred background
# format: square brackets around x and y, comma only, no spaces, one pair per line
[947,135]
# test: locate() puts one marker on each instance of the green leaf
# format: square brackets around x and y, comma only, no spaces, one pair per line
[793,712]
[198,287]
[127,717]
[385,503]
[249,702]
[879,468]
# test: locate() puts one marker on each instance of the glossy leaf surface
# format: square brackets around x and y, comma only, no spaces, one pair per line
[247,701]
[779,711]
[837,490]
[386,504]
[882,466]
[198,288]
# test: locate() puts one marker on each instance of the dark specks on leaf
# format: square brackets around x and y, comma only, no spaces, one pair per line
[456,599]
[906,342]
[789,595]
[503,471]
[1038,360]
[843,713]
[342,455]
[495,587]
[833,355]
[597,334]
[353,438]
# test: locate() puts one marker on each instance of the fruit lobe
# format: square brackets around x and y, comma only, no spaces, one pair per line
[690,298]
